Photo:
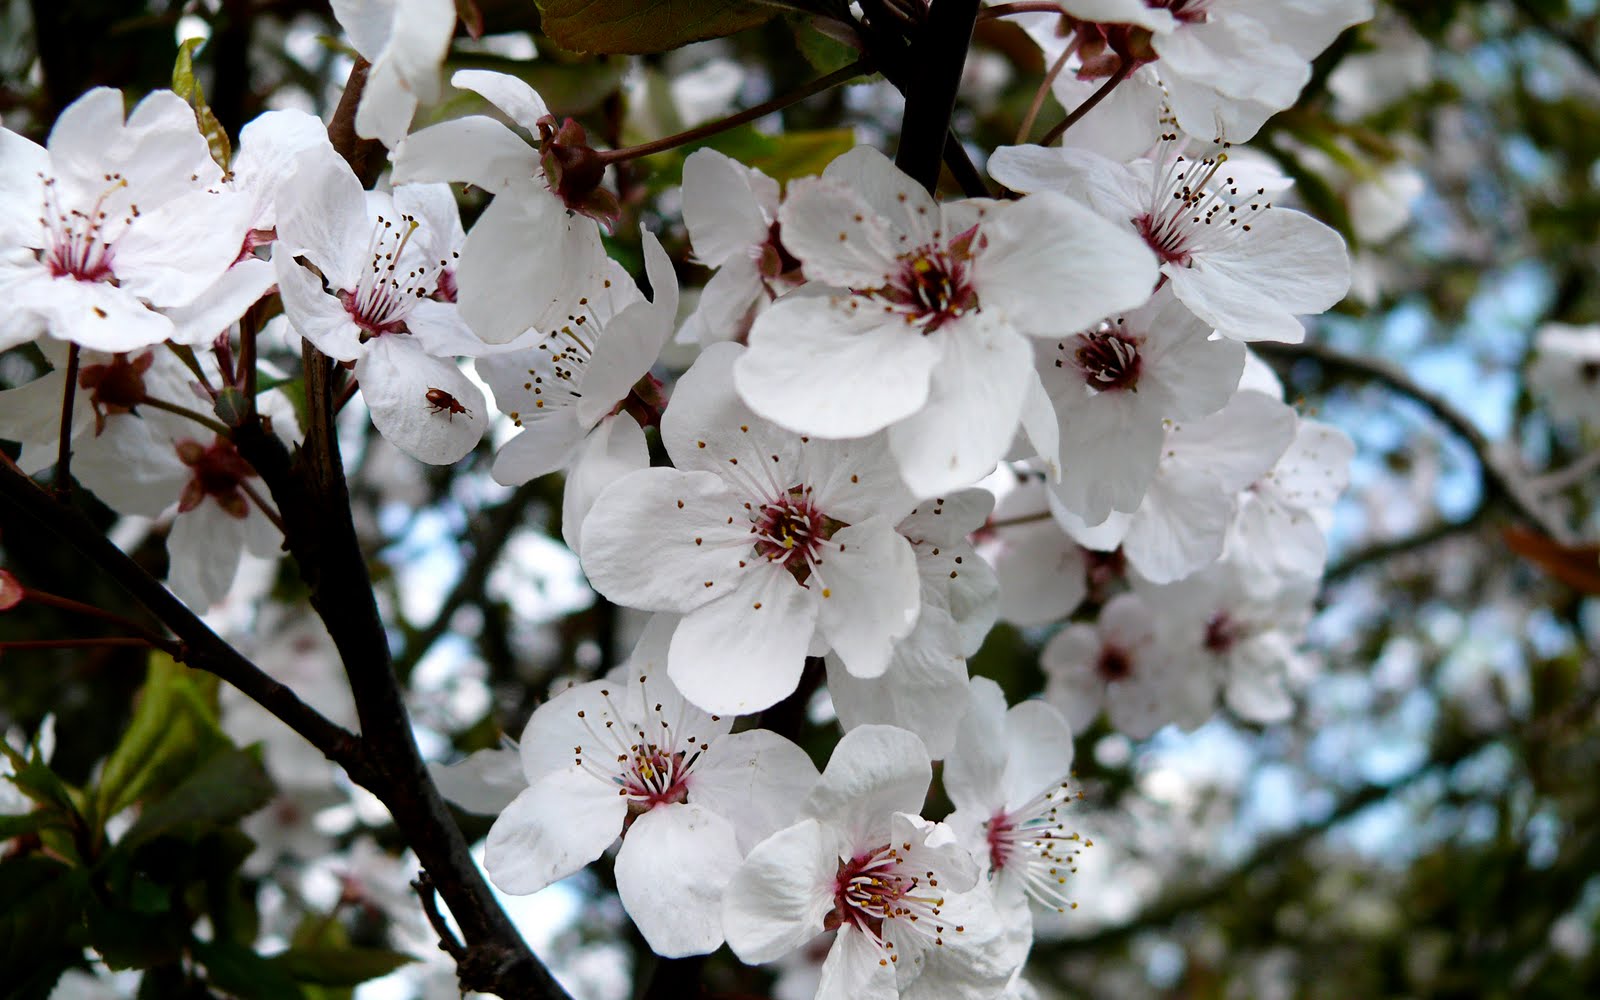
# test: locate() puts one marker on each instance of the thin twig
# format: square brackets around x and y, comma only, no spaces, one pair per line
[1026,128]
[429,897]
[1022,7]
[64,446]
[1496,479]
[1381,552]
[1125,69]
[817,86]
[1568,476]
[216,426]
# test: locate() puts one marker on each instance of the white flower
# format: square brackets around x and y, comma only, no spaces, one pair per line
[766,542]
[630,756]
[265,159]
[731,212]
[923,330]
[903,894]
[1114,386]
[405,41]
[528,259]
[1042,571]
[1565,373]
[1216,621]
[378,302]
[1120,664]
[112,224]
[1008,779]
[1278,538]
[567,391]
[924,688]
[1241,265]
[1182,525]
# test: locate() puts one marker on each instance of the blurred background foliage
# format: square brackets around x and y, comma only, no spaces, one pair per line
[1427,825]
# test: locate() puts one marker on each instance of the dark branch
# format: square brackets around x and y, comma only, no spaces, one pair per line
[1497,480]
[202,648]
[939,52]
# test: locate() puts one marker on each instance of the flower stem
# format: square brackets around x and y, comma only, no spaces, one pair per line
[114,640]
[262,504]
[1022,7]
[1044,88]
[1012,522]
[69,394]
[184,411]
[1124,70]
[761,110]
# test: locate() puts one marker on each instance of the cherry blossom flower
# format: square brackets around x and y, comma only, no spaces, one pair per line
[903,894]
[1226,65]
[1041,570]
[629,756]
[1238,263]
[380,257]
[1008,779]
[528,259]
[924,688]
[406,42]
[1217,621]
[767,542]
[112,223]
[1114,386]
[923,331]
[568,392]
[731,211]
[1182,525]
[1279,535]
[1565,373]
[1120,664]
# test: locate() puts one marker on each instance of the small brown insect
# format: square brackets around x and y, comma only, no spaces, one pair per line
[440,401]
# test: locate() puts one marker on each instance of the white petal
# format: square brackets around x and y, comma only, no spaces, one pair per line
[779,896]
[903,203]
[90,314]
[974,770]
[819,367]
[315,315]
[674,863]
[524,265]
[511,94]
[632,339]
[204,550]
[875,772]
[725,216]
[924,690]
[640,544]
[870,594]
[856,969]
[745,651]
[1054,266]
[612,450]
[757,779]
[220,306]
[1038,751]
[485,782]
[838,237]
[268,146]
[974,402]
[552,830]
[476,150]
[708,427]
[322,213]
[397,378]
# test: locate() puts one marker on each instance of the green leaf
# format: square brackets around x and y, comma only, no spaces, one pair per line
[31,822]
[326,966]
[40,900]
[173,729]
[637,27]
[127,939]
[824,52]
[227,786]
[238,970]
[186,86]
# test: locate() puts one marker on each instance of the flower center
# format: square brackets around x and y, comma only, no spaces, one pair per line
[1185,11]
[1191,211]
[116,386]
[880,888]
[1222,634]
[79,242]
[218,472]
[1114,664]
[649,761]
[1031,844]
[790,530]
[934,283]
[1108,360]
[384,296]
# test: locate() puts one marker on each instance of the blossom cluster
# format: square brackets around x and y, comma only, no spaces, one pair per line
[906,419]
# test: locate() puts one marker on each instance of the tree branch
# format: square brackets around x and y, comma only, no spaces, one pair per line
[1497,480]
[939,52]
[202,648]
